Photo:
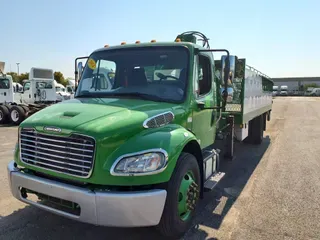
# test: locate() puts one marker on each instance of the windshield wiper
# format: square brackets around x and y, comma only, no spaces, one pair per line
[144,96]
[140,95]
[86,95]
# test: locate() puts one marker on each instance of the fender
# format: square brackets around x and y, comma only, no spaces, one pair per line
[171,138]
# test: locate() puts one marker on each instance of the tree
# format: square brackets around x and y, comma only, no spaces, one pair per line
[22,77]
[58,76]
[14,76]
[310,85]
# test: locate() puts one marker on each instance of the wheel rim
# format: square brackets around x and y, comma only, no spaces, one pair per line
[188,196]
[1,115]
[14,115]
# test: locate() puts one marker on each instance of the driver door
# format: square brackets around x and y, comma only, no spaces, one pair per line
[26,95]
[203,123]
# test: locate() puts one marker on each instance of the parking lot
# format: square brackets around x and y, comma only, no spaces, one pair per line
[271,191]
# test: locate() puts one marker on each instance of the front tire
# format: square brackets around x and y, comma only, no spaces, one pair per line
[183,193]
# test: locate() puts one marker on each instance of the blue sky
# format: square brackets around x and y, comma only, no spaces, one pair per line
[279,38]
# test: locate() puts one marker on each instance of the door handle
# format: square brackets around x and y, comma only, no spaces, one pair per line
[5,93]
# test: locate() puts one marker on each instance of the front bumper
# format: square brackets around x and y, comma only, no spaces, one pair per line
[117,209]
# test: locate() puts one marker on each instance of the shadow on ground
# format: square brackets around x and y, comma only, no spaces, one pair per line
[230,187]
[32,223]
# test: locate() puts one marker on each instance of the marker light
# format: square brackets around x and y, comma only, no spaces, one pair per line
[153,40]
[123,43]
[137,42]
[106,45]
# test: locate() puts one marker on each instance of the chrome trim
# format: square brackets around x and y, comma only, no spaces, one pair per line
[52,129]
[56,171]
[153,150]
[148,119]
[104,208]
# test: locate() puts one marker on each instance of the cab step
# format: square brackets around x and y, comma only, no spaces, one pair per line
[213,181]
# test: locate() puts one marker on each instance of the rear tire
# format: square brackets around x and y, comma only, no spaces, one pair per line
[17,114]
[183,193]
[4,114]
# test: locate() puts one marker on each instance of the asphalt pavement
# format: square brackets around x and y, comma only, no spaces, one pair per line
[271,191]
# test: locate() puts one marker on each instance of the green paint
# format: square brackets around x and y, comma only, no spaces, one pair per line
[117,124]
[188,196]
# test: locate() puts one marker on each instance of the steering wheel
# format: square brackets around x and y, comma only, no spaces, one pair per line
[162,76]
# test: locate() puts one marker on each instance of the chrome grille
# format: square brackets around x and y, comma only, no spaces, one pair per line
[72,155]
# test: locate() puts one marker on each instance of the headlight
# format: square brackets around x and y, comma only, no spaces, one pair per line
[150,162]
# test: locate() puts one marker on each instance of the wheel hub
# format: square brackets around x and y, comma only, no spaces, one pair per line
[14,115]
[188,196]
[192,196]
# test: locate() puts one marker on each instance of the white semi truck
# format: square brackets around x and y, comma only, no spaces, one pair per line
[284,90]
[275,90]
[61,91]
[37,93]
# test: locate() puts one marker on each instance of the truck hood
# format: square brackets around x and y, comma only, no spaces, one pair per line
[96,115]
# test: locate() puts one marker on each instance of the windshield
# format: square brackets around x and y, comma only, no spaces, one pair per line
[4,83]
[44,85]
[157,73]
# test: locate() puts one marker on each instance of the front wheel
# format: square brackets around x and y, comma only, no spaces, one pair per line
[182,198]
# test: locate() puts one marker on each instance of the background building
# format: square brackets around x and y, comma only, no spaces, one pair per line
[295,84]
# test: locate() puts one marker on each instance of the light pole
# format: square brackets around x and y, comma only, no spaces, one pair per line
[18,67]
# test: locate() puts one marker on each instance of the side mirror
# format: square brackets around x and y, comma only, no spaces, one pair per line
[80,67]
[227,76]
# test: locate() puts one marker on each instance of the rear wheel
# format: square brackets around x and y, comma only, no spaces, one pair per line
[182,197]
[17,114]
[4,114]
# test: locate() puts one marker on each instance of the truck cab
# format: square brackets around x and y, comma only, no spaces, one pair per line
[39,88]
[6,89]
[284,90]
[275,90]
[139,147]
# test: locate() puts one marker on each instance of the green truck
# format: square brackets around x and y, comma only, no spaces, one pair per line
[141,147]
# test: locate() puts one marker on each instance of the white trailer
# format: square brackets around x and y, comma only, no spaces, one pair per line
[37,93]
